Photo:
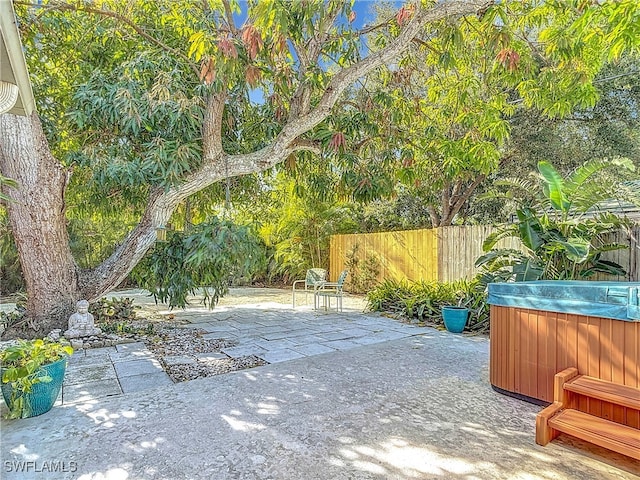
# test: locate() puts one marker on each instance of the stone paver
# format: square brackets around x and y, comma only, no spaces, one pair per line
[89,373]
[207,357]
[341,344]
[327,336]
[369,340]
[277,356]
[137,383]
[313,349]
[137,367]
[276,335]
[131,356]
[305,339]
[89,391]
[243,350]
[275,344]
[217,335]
[171,360]
[355,332]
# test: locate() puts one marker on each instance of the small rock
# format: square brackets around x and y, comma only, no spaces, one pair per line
[77,344]
[55,334]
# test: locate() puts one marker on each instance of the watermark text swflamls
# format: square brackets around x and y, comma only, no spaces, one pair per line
[40,466]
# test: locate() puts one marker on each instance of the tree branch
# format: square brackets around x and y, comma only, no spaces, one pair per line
[217,165]
[212,126]
[349,75]
[468,191]
[121,18]
[433,215]
[229,16]
[306,144]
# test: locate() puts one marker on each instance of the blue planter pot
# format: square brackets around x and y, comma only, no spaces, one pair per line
[43,395]
[455,318]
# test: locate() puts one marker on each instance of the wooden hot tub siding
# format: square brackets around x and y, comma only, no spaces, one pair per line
[528,347]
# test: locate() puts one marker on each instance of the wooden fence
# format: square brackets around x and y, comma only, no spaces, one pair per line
[447,253]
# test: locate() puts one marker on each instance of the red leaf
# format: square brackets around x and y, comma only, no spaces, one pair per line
[253,75]
[352,17]
[337,141]
[252,41]
[407,162]
[227,47]
[279,45]
[508,58]
[204,68]
[207,71]
[404,14]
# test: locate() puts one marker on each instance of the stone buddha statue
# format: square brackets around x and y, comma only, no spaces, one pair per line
[81,323]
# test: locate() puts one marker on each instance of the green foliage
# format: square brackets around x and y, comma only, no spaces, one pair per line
[113,310]
[122,89]
[125,328]
[559,240]
[424,300]
[202,260]
[6,182]
[295,221]
[363,272]
[408,210]
[11,280]
[438,119]
[21,367]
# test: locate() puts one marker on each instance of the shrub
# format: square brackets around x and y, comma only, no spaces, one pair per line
[363,273]
[202,260]
[424,300]
[116,310]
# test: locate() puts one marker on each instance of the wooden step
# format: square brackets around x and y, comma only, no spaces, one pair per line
[614,436]
[603,390]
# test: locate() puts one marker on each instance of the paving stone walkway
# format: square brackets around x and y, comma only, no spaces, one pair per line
[278,336]
[103,372]
[270,330]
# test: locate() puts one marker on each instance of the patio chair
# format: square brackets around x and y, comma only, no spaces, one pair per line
[315,277]
[331,289]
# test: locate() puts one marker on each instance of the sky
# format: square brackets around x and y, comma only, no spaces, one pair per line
[365,15]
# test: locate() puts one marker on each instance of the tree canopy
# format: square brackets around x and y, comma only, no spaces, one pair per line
[145,103]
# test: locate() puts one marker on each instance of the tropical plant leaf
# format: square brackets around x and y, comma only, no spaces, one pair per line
[527,271]
[554,186]
[576,249]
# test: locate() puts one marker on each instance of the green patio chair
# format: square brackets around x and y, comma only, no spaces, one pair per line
[315,277]
[328,290]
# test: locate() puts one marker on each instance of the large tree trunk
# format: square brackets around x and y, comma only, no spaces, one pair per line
[37,219]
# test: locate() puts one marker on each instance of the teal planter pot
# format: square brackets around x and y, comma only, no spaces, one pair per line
[42,395]
[455,318]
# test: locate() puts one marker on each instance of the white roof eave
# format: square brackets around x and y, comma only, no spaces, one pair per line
[13,67]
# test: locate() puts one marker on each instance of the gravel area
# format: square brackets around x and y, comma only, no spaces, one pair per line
[188,346]
[191,371]
[184,341]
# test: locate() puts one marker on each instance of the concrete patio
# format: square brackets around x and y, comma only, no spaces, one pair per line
[415,406]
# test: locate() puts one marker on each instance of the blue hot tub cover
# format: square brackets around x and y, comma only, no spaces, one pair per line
[617,300]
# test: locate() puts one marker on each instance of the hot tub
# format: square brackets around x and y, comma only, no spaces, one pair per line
[540,328]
